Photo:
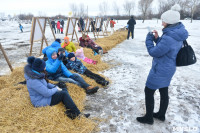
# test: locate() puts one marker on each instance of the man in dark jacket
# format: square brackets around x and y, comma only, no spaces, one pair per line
[62,23]
[53,24]
[131,24]
[81,21]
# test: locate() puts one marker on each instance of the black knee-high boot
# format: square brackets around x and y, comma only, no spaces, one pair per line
[164,101]
[149,101]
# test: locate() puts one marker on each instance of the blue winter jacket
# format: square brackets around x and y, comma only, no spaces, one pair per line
[55,68]
[39,90]
[76,65]
[164,55]
[21,27]
[56,45]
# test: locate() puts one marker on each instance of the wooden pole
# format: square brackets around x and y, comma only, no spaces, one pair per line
[43,37]
[42,31]
[52,29]
[95,27]
[5,56]
[32,34]
[92,22]
[75,31]
[68,21]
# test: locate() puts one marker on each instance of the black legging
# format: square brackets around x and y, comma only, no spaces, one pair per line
[149,100]
[94,76]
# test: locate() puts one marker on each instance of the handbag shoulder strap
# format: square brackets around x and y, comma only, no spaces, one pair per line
[185,43]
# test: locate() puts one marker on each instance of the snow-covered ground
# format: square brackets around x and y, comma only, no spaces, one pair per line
[123,100]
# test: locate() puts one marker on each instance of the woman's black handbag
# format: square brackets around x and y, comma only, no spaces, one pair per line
[185,55]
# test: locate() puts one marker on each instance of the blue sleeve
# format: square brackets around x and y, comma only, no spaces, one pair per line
[156,40]
[49,85]
[44,90]
[159,50]
[65,71]
[44,50]
[52,67]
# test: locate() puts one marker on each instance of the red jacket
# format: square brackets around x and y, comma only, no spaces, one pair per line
[91,44]
[58,25]
[112,23]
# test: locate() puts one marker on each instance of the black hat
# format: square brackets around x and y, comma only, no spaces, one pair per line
[36,64]
[58,40]
[70,55]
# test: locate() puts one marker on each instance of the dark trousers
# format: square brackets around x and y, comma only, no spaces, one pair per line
[132,32]
[149,101]
[21,30]
[58,30]
[94,76]
[64,97]
[54,28]
[96,49]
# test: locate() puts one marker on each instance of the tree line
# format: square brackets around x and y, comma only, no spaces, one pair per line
[189,9]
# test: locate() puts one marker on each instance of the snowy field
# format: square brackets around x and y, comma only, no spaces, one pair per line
[123,100]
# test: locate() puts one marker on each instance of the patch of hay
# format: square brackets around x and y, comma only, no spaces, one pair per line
[18,115]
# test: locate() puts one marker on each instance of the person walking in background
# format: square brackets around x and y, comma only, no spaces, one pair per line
[21,27]
[62,23]
[131,23]
[81,21]
[58,27]
[53,25]
[43,93]
[112,25]
[61,29]
[164,62]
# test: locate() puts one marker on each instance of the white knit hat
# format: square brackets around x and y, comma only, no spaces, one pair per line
[171,16]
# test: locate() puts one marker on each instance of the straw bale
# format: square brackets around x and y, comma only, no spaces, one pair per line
[18,115]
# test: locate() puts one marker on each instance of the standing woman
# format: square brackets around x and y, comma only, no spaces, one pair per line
[164,62]
[58,27]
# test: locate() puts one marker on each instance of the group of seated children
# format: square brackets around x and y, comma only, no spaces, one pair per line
[60,58]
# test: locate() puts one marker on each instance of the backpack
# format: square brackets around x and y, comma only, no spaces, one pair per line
[186,55]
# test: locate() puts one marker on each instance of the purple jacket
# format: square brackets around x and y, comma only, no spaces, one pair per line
[39,90]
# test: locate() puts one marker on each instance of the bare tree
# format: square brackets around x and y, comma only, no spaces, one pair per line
[192,5]
[74,9]
[116,9]
[82,11]
[41,14]
[165,5]
[103,7]
[144,6]
[128,6]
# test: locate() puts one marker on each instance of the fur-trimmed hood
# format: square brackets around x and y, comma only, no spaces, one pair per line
[30,74]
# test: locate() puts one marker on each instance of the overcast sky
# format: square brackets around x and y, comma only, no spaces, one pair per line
[55,7]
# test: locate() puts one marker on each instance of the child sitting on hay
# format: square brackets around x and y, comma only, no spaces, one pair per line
[70,47]
[77,66]
[80,54]
[85,41]
[57,71]
[43,93]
